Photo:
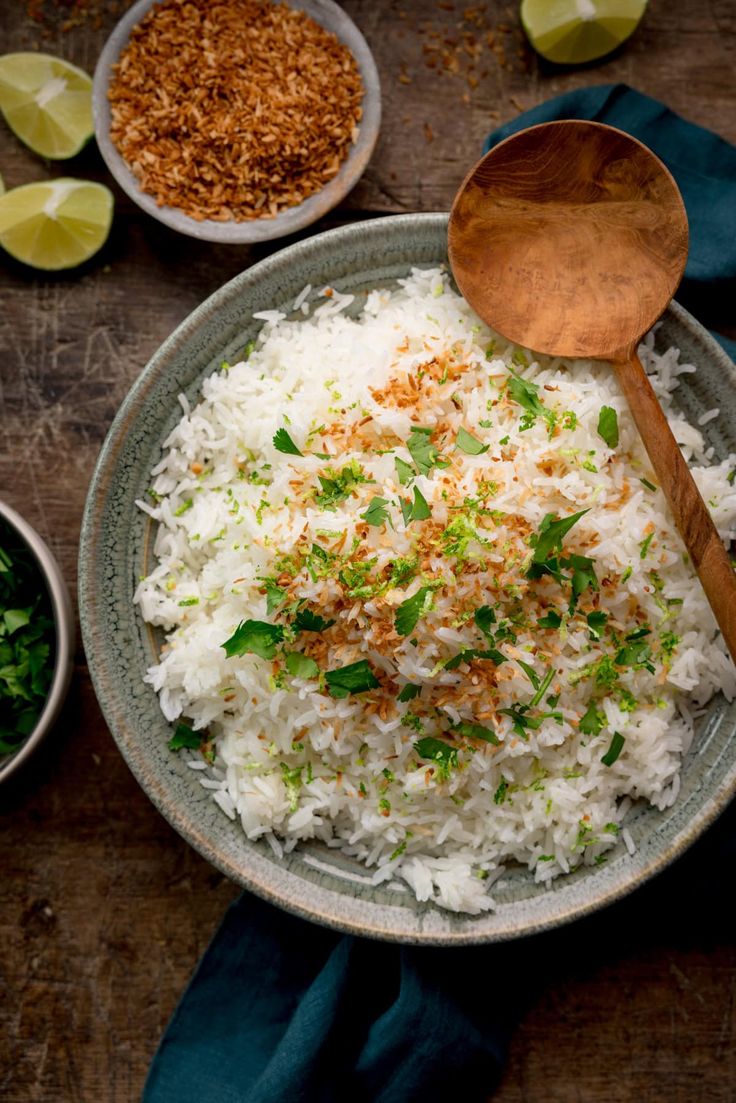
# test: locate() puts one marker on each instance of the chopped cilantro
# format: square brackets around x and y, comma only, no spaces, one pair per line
[467,443]
[668,641]
[420,509]
[530,673]
[551,619]
[354,678]
[644,545]
[596,623]
[526,394]
[339,485]
[307,621]
[404,471]
[551,532]
[282,442]
[470,653]
[409,612]
[442,753]
[422,451]
[409,692]
[500,795]
[476,731]
[484,617]
[593,720]
[636,654]
[608,426]
[647,484]
[254,637]
[274,594]
[376,514]
[301,666]
[614,750]
[411,720]
[184,736]
[184,507]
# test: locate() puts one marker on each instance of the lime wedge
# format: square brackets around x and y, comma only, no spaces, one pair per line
[55,224]
[571,32]
[47,102]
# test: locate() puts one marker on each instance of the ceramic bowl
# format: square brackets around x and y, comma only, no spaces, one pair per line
[311,881]
[330,16]
[61,607]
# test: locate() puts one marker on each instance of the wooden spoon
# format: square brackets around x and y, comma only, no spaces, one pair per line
[570,238]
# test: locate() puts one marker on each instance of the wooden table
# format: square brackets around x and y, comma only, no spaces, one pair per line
[104,909]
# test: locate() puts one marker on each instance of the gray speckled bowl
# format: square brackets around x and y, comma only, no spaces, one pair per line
[312,881]
[328,15]
[61,608]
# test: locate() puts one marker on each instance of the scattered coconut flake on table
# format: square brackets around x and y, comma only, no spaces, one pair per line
[418,608]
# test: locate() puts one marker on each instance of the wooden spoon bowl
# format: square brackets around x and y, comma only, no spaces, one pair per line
[570,238]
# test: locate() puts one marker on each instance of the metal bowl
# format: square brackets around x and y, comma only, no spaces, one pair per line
[63,615]
[313,881]
[330,16]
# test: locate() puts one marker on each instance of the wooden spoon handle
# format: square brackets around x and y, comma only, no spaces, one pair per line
[695,524]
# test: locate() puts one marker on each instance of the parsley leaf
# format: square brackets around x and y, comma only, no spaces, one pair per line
[282,442]
[608,426]
[467,443]
[307,621]
[301,666]
[614,750]
[184,736]
[376,513]
[254,637]
[476,731]
[409,612]
[354,678]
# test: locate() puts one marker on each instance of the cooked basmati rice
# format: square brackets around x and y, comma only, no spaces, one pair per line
[250,533]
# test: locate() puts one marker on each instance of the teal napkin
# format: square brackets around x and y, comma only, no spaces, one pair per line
[283,1011]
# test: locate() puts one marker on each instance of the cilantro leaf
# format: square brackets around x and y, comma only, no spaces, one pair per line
[596,623]
[608,426]
[551,532]
[526,394]
[476,731]
[484,617]
[467,443]
[354,678]
[409,612]
[438,751]
[530,673]
[583,575]
[254,637]
[301,666]
[470,653]
[593,720]
[339,485]
[282,442]
[404,471]
[274,594]
[551,619]
[184,736]
[422,451]
[307,621]
[636,654]
[376,514]
[418,510]
[614,749]
[409,692]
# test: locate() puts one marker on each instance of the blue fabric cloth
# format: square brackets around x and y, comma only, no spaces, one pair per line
[282,1011]
[704,167]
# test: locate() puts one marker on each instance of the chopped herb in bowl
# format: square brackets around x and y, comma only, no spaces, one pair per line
[36,633]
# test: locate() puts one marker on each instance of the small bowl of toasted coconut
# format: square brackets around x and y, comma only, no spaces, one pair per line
[236,120]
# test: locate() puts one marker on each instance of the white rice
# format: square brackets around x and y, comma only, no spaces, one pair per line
[291,762]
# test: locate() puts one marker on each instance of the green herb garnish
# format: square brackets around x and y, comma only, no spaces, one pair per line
[307,621]
[614,749]
[354,678]
[282,442]
[608,426]
[468,444]
[476,731]
[184,736]
[409,692]
[376,514]
[254,637]
[409,612]
[300,665]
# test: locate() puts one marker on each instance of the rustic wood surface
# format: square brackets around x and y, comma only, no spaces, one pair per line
[104,910]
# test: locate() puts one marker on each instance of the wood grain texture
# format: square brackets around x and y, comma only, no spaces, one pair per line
[570,238]
[104,911]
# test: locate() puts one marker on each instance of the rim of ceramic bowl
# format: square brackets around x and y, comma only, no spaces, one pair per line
[64,634]
[253,871]
[330,16]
